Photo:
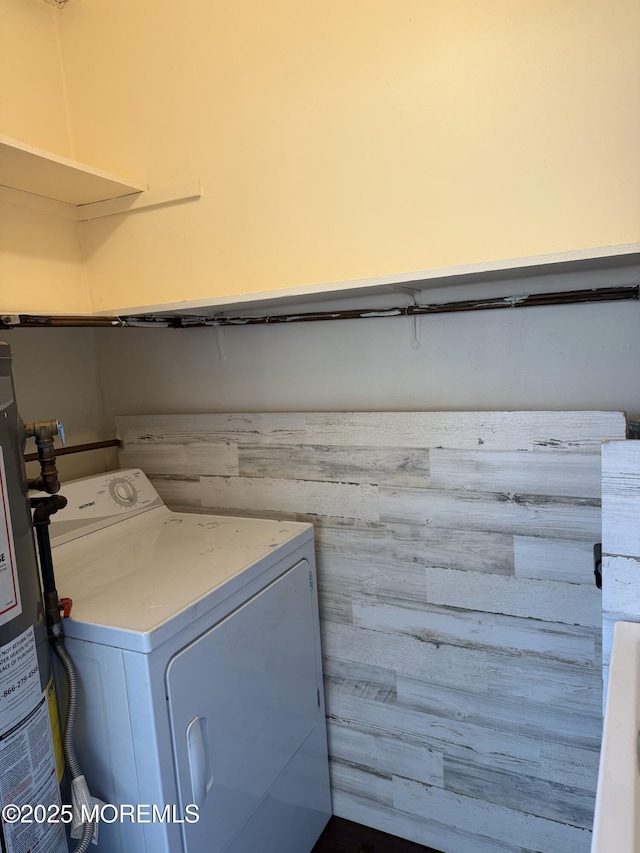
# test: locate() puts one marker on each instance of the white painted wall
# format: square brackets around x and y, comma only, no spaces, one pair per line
[339,141]
[569,357]
[333,141]
[33,104]
[620,541]
[56,376]
[40,255]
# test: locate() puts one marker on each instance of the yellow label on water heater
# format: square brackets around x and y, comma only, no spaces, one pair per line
[56,732]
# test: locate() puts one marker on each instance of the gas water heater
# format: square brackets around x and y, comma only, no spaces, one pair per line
[31,762]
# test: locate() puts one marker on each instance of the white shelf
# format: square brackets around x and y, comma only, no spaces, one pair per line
[529,271]
[34,178]
[32,170]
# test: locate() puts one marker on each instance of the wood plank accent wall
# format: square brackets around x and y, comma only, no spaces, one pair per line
[461,626]
[620,539]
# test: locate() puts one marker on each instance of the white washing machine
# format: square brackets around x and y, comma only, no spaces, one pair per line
[197,644]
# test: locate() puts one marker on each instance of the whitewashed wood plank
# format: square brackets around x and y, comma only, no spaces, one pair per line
[185,428]
[489,819]
[500,430]
[491,430]
[480,631]
[355,780]
[621,585]
[620,457]
[620,540]
[557,474]
[568,771]
[530,756]
[335,606]
[406,466]
[570,765]
[405,655]
[394,548]
[355,577]
[385,754]
[498,512]
[185,460]
[552,601]
[501,714]
[621,498]
[578,431]
[356,679]
[568,688]
[530,794]
[178,492]
[154,459]
[442,734]
[414,828]
[591,446]
[391,429]
[409,545]
[299,496]
[553,559]
[503,673]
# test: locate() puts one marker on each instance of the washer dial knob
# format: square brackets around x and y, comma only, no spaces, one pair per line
[123,492]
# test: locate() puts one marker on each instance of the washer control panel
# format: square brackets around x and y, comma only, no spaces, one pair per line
[102,500]
[123,492]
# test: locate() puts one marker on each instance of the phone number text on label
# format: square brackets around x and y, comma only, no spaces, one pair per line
[19,683]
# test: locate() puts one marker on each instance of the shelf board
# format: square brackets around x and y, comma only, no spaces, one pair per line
[32,170]
[528,271]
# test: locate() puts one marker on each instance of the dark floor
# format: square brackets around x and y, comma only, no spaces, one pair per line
[343,836]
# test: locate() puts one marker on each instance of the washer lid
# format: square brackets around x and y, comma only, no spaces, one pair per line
[138,583]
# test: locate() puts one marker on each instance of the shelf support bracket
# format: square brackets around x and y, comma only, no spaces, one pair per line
[158,197]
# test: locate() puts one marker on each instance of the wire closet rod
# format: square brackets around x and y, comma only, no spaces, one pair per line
[184,321]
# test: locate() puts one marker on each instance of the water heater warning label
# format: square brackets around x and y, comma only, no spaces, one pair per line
[28,767]
[19,679]
[10,605]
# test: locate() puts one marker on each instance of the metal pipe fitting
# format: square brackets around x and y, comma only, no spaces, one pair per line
[44,432]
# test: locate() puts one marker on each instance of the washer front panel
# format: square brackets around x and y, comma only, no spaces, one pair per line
[243,698]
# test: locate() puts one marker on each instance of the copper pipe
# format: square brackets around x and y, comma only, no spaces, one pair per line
[187,321]
[77,448]
[49,321]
